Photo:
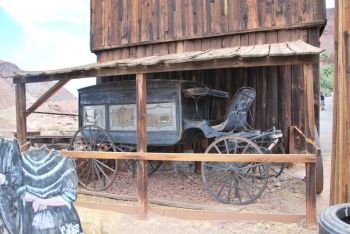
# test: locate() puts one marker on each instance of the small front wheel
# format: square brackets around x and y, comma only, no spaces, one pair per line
[231,182]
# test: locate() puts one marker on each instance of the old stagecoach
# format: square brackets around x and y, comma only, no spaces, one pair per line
[178,112]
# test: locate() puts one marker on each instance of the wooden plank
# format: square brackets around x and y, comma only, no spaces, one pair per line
[261,99]
[310,195]
[21,119]
[309,102]
[300,47]
[341,159]
[298,101]
[285,103]
[257,52]
[278,49]
[43,98]
[141,128]
[194,214]
[272,101]
[112,69]
[335,109]
[293,158]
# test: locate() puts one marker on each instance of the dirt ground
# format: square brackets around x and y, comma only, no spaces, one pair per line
[285,195]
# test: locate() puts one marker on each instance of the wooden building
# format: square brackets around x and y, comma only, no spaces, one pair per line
[269,45]
[122,29]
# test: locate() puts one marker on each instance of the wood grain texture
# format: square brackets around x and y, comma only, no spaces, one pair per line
[150,21]
[310,195]
[199,157]
[21,119]
[141,126]
[341,141]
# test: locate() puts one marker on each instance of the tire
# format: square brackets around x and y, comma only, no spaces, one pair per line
[335,219]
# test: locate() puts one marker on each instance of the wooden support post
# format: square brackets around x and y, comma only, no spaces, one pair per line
[309,106]
[335,108]
[141,101]
[310,194]
[46,96]
[21,119]
[340,177]
[310,134]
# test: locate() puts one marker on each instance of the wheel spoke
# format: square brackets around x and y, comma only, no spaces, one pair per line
[247,181]
[237,193]
[217,149]
[81,174]
[223,186]
[82,163]
[217,181]
[104,165]
[98,176]
[102,171]
[229,190]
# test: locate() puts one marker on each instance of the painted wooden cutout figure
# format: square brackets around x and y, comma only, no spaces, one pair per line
[50,188]
[11,179]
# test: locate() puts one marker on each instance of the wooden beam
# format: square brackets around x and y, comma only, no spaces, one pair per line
[310,194]
[335,109]
[195,65]
[141,128]
[341,160]
[197,157]
[46,96]
[309,106]
[21,119]
[195,214]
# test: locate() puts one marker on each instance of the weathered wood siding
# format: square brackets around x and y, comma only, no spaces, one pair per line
[121,23]
[280,90]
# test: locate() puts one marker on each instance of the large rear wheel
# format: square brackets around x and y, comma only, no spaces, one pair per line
[231,182]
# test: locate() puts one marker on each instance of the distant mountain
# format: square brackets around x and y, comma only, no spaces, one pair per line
[65,100]
[327,38]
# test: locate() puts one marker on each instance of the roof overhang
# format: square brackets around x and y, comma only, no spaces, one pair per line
[286,53]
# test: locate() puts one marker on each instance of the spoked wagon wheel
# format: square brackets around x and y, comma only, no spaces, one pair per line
[94,174]
[234,183]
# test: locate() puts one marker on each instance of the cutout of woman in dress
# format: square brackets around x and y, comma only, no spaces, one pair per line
[11,180]
[50,188]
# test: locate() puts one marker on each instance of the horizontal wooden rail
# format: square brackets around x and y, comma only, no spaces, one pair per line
[287,158]
[195,214]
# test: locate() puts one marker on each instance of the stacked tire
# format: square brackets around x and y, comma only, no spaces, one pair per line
[335,219]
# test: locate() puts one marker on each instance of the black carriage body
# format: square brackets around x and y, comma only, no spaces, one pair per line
[112,107]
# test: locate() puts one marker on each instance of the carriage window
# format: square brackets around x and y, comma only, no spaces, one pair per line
[161,117]
[122,117]
[94,115]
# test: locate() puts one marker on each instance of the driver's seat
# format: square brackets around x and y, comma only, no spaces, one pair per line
[237,112]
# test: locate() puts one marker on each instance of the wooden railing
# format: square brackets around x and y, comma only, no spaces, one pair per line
[308,159]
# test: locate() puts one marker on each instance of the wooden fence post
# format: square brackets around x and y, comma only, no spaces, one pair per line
[21,119]
[310,134]
[310,194]
[141,101]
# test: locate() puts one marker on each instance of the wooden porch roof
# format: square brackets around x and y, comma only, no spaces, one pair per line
[295,52]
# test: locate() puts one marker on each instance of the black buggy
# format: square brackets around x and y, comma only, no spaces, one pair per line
[178,112]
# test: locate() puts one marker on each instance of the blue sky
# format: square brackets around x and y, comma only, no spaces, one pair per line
[49,34]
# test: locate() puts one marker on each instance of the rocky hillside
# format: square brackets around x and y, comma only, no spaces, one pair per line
[327,38]
[63,101]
